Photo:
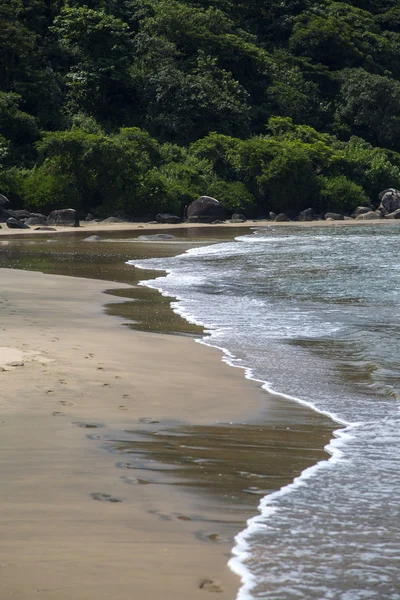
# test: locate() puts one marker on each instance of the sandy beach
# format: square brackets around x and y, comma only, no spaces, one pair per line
[100,498]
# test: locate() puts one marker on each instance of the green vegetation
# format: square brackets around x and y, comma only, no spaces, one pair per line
[132,107]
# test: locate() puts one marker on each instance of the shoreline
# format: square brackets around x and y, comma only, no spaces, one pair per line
[180,519]
[144,227]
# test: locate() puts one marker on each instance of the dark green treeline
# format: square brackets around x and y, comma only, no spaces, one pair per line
[133,107]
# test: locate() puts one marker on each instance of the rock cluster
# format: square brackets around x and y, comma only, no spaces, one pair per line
[23,219]
[203,210]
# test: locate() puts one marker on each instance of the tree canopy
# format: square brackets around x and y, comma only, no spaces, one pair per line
[135,106]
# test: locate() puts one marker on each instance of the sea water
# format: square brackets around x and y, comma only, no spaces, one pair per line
[314,313]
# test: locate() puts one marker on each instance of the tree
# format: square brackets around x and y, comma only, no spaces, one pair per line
[18,129]
[99,47]
[369,107]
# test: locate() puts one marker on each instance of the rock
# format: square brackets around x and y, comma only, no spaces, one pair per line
[348,218]
[66,217]
[306,215]
[394,215]
[372,214]
[20,214]
[13,223]
[167,218]
[272,216]
[334,216]
[217,222]
[113,220]
[390,201]
[4,201]
[36,220]
[156,237]
[4,215]
[92,238]
[281,218]
[361,210]
[45,228]
[205,210]
[238,218]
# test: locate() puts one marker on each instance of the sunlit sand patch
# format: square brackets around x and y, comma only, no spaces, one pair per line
[12,358]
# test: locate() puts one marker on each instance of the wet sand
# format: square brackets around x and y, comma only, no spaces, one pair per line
[129,459]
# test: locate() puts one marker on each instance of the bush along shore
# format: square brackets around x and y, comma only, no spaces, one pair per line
[133,109]
[203,210]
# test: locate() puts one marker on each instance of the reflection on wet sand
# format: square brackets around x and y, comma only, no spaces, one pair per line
[68,254]
[230,467]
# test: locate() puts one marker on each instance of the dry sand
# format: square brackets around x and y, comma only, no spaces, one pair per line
[74,526]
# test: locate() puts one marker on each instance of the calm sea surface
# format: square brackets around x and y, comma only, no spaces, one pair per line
[314,313]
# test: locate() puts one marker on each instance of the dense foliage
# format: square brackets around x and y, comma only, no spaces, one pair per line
[132,107]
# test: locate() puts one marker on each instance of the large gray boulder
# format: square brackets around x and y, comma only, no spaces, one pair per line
[238,218]
[111,220]
[394,215]
[390,201]
[369,216]
[334,216]
[361,210]
[66,217]
[36,219]
[306,215]
[4,201]
[13,223]
[4,215]
[281,218]
[167,218]
[205,210]
[20,214]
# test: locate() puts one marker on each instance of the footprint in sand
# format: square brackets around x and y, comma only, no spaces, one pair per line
[106,384]
[58,414]
[65,403]
[209,585]
[104,497]
[126,396]
[50,392]
[213,537]
[122,407]
[100,368]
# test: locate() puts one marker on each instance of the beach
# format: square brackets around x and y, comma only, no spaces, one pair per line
[100,497]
